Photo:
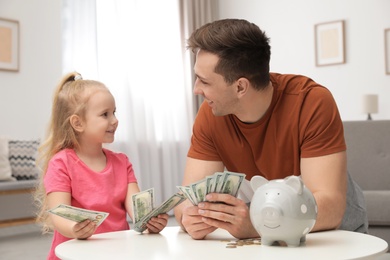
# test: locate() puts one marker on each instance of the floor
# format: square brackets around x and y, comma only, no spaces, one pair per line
[26,242]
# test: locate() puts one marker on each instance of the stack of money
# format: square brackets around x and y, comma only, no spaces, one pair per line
[79,214]
[143,208]
[221,182]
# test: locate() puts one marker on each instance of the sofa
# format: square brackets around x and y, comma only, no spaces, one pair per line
[368,162]
[18,180]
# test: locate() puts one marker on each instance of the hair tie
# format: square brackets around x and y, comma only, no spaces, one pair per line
[77,77]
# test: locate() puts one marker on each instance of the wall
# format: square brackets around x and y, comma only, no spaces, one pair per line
[26,95]
[290,25]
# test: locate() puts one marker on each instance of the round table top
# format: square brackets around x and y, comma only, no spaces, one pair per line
[173,243]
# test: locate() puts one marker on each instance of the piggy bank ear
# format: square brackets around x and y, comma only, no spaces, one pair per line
[258,181]
[295,182]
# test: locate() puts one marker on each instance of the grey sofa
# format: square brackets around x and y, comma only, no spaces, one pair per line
[16,202]
[368,153]
[18,180]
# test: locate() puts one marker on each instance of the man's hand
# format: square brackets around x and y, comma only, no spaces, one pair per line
[193,224]
[227,212]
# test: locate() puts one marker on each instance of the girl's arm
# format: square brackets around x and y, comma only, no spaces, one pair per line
[66,227]
[132,188]
[156,224]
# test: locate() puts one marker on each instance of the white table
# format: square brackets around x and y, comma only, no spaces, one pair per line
[172,243]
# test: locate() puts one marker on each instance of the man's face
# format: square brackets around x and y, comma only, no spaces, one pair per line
[220,96]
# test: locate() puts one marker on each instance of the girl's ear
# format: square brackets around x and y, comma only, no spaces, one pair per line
[76,123]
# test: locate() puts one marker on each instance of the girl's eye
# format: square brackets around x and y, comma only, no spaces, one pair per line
[105,114]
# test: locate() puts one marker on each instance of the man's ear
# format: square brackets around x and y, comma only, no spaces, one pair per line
[242,86]
[76,123]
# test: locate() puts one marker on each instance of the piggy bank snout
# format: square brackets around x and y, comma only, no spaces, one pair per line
[271,215]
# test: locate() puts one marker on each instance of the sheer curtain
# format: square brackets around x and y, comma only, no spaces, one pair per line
[136,49]
[193,14]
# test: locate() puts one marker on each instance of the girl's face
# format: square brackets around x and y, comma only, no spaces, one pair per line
[100,119]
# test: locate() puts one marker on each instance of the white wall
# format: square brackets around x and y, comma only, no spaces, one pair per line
[25,96]
[290,25]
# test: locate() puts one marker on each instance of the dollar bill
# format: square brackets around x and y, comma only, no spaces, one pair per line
[199,188]
[187,192]
[220,182]
[210,180]
[79,214]
[142,204]
[231,183]
[165,207]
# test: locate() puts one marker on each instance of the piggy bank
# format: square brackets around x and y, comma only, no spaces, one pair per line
[282,210]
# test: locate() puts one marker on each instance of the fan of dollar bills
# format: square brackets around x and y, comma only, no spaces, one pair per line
[221,182]
[143,209]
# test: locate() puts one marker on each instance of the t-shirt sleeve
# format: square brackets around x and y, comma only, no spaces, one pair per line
[130,171]
[322,129]
[57,178]
[202,146]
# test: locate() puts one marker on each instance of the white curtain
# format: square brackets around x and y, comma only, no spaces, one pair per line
[135,48]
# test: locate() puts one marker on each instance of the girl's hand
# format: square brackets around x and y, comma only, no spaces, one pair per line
[84,230]
[156,224]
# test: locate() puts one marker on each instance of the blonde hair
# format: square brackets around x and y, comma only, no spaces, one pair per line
[70,98]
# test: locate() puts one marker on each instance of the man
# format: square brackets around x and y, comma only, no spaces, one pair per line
[260,123]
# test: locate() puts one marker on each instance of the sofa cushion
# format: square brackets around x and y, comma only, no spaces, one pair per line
[378,207]
[5,166]
[22,155]
[368,153]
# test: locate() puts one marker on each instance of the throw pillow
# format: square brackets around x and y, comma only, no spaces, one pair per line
[22,155]
[5,167]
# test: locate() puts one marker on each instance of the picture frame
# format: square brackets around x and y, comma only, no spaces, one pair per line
[9,45]
[387,51]
[330,43]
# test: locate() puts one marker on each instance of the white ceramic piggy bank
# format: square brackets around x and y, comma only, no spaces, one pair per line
[282,210]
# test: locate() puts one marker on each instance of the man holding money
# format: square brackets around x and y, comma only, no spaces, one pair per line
[261,123]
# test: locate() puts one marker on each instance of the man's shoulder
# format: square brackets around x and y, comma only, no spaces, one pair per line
[294,83]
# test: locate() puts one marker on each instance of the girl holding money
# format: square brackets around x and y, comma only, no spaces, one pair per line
[78,171]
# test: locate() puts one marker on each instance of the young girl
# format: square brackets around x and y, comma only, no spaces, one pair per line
[78,171]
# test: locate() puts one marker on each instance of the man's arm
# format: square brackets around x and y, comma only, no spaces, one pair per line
[326,177]
[186,214]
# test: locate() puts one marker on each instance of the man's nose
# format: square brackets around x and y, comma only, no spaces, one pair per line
[197,89]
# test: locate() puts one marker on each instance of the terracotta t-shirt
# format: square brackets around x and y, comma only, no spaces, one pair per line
[302,121]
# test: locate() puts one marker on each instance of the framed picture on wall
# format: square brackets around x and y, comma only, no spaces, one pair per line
[387,50]
[329,43]
[9,45]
